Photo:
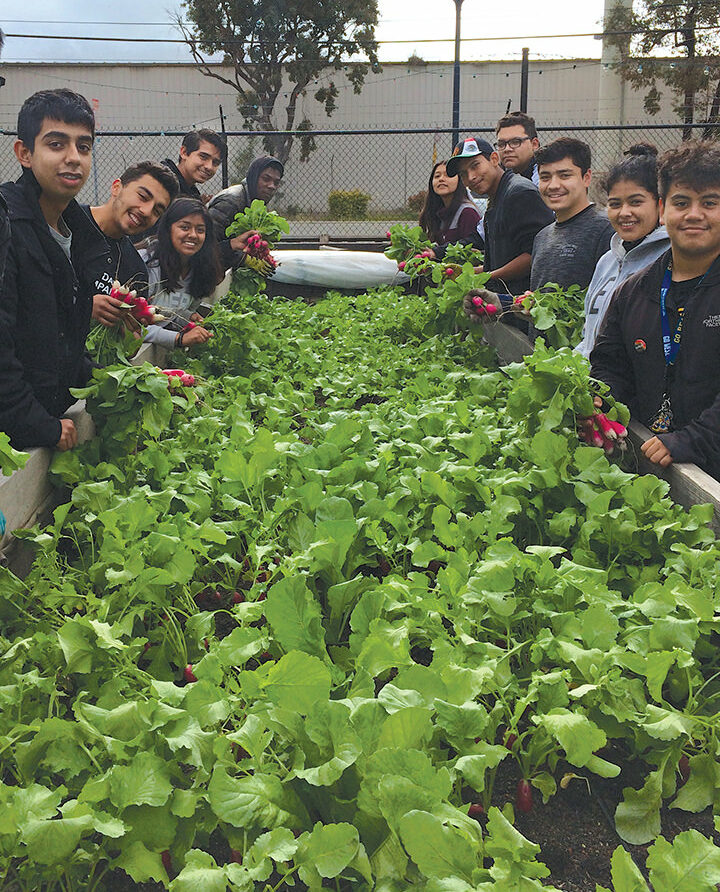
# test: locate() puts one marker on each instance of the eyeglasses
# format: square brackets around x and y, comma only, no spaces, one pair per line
[514,143]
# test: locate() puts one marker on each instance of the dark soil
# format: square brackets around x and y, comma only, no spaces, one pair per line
[575,830]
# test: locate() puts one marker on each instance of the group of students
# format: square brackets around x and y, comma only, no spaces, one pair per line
[156,233]
[650,263]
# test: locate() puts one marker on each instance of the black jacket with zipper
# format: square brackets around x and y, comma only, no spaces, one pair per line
[628,356]
[44,321]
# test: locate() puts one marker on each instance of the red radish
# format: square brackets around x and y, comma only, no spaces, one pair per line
[188,674]
[449,271]
[190,326]
[478,301]
[476,810]
[172,373]
[523,796]
[166,861]
[491,309]
[619,429]
[206,643]
[607,430]
[261,596]
[387,234]
[236,856]
[238,598]
[264,657]
[401,265]
[187,380]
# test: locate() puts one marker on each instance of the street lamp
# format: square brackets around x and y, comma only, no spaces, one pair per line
[456,77]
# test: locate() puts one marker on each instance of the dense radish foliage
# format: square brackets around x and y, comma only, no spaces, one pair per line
[294,617]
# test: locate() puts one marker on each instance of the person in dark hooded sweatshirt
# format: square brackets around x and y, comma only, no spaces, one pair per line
[261,181]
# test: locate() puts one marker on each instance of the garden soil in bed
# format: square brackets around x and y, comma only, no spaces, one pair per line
[575,830]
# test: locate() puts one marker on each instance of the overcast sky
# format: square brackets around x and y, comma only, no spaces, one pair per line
[403,20]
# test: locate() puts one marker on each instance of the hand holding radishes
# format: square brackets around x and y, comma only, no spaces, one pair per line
[195,335]
[481,305]
[239,242]
[107,310]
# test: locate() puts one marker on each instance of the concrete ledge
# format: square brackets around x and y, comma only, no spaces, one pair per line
[689,484]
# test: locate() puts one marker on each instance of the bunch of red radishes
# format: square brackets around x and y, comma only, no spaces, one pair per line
[599,430]
[186,379]
[418,265]
[259,248]
[140,309]
[484,308]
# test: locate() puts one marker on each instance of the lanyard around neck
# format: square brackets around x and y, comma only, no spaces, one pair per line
[671,343]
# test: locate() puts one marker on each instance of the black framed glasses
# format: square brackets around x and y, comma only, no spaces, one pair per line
[514,143]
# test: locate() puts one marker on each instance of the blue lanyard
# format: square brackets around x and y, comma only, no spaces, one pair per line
[671,344]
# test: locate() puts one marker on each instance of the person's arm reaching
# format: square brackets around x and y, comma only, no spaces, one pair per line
[517,268]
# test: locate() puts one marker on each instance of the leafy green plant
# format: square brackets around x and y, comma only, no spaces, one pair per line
[269,224]
[350,204]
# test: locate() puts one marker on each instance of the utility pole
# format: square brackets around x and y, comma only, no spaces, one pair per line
[524,71]
[456,78]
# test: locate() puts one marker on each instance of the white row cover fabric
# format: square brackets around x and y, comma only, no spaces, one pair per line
[332,268]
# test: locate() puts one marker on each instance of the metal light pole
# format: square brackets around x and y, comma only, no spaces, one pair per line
[456,77]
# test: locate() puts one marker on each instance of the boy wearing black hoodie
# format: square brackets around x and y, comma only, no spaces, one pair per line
[44,318]
[261,181]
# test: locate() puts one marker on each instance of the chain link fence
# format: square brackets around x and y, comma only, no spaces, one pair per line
[390,167]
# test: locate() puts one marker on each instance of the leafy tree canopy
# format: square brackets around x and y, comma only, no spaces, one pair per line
[675,43]
[274,49]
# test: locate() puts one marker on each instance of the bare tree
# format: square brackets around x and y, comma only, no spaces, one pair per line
[273,50]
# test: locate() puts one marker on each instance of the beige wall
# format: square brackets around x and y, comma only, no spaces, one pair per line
[144,97]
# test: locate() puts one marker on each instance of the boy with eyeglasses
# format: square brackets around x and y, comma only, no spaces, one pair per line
[516,142]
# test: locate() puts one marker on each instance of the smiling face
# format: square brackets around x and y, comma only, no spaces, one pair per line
[268,182]
[60,159]
[515,148]
[200,165]
[187,235]
[442,184]
[564,187]
[632,210]
[692,220]
[481,174]
[137,206]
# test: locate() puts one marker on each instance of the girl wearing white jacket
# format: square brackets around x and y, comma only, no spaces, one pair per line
[634,212]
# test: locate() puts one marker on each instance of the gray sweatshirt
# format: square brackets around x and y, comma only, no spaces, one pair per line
[567,253]
[613,268]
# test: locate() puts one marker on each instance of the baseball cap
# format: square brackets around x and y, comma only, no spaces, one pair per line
[468,148]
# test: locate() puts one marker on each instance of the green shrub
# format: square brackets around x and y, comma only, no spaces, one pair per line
[350,205]
[416,201]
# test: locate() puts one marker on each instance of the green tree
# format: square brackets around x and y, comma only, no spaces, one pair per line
[274,49]
[675,43]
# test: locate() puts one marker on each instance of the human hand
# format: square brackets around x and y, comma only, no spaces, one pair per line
[108,310]
[197,335]
[239,242]
[478,269]
[488,298]
[657,452]
[196,317]
[68,435]
[205,198]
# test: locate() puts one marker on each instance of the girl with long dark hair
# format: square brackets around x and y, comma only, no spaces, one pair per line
[183,268]
[448,214]
[633,208]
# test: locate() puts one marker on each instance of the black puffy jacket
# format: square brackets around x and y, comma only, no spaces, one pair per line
[628,355]
[43,325]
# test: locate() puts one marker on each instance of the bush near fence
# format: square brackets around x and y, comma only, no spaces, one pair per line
[350,205]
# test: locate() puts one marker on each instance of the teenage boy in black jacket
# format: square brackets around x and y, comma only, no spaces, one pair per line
[515,214]
[659,347]
[43,319]
[102,251]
